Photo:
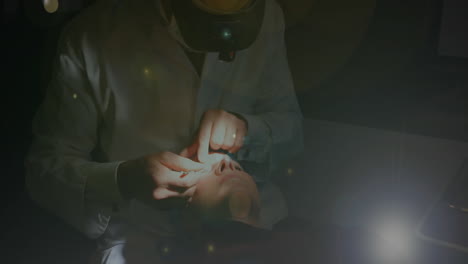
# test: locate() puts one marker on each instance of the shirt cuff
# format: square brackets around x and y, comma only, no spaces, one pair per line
[101,185]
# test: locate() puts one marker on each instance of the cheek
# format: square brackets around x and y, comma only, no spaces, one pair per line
[207,193]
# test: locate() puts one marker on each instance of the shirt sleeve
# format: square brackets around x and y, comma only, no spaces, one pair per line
[61,174]
[275,129]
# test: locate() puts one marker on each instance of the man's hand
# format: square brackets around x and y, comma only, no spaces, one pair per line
[159,176]
[219,130]
[213,158]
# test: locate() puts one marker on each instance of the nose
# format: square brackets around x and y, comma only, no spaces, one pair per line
[225,166]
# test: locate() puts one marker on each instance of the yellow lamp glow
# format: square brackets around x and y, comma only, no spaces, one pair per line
[222,6]
[50,6]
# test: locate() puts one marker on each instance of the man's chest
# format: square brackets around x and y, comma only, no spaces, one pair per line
[148,76]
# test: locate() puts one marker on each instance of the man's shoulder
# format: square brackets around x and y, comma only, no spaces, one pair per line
[272,28]
[274,15]
[106,17]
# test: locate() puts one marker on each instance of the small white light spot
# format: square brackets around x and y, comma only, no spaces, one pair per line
[452,206]
[50,6]
[165,250]
[146,71]
[75,96]
[290,171]
[211,248]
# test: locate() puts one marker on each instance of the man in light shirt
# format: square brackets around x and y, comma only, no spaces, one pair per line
[128,94]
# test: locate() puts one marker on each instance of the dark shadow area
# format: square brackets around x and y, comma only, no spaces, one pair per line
[394,79]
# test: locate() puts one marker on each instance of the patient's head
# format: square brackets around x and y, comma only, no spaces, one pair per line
[227,193]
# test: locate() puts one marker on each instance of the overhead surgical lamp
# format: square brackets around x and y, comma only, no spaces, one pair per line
[207,27]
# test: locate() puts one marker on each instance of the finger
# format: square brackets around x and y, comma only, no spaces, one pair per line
[204,140]
[189,192]
[229,138]
[163,193]
[214,158]
[240,135]
[179,163]
[190,152]
[185,153]
[218,132]
[185,180]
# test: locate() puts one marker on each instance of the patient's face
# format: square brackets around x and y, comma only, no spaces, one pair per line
[227,192]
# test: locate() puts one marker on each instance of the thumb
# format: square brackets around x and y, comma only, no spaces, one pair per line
[190,152]
[203,141]
[178,163]
[202,152]
[185,153]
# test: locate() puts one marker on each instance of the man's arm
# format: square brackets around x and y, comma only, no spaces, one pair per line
[275,129]
[60,174]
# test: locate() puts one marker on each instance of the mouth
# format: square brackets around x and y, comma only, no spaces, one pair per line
[230,177]
[234,182]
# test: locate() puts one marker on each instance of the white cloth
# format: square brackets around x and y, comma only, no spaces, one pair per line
[123,88]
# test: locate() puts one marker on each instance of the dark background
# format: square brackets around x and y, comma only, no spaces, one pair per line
[390,64]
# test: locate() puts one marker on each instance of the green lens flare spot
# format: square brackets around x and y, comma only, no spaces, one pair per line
[226,34]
